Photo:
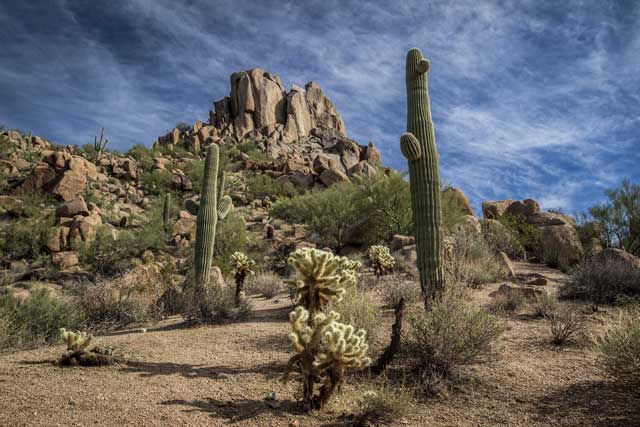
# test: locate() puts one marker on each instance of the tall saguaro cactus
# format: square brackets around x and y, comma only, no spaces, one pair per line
[213,206]
[418,145]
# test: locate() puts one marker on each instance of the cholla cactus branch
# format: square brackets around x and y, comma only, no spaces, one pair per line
[381,260]
[76,341]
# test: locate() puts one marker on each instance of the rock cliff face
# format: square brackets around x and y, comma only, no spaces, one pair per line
[259,104]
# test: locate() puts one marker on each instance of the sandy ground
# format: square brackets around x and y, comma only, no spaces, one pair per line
[221,375]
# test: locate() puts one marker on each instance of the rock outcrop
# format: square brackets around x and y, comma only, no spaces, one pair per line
[259,104]
[561,246]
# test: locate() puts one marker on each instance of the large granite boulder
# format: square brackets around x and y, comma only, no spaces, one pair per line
[561,246]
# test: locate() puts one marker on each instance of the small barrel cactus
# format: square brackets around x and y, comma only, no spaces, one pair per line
[381,260]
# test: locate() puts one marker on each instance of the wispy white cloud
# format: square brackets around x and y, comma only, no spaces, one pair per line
[531,99]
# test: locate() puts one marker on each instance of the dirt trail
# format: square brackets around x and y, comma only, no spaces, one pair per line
[220,375]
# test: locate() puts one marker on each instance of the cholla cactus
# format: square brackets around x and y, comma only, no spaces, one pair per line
[322,277]
[241,269]
[76,341]
[381,259]
[325,348]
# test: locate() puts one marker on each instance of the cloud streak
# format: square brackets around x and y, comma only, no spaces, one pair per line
[534,99]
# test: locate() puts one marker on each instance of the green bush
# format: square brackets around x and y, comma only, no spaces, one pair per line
[368,210]
[618,349]
[194,170]
[602,282]
[143,156]
[528,236]
[37,319]
[501,239]
[453,333]
[328,213]
[231,236]
[261,186]
[156,182]
[109,255]
[25,237]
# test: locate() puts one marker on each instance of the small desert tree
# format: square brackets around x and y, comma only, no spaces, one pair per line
[620,217]
[325,348]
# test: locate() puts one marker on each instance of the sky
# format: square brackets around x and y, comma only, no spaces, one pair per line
[530,99]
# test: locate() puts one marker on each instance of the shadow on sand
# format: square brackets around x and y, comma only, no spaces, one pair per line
[239,410]
[153,369]
[592,403]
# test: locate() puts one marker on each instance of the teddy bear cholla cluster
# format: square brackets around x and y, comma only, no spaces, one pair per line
[325,348]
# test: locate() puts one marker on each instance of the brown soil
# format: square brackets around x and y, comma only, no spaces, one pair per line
[221,375]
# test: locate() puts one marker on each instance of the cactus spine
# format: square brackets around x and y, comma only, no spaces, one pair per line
[166,211]
[418,145]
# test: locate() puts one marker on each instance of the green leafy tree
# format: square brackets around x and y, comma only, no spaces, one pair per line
[620,217]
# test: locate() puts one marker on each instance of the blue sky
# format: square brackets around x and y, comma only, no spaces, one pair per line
[530,98]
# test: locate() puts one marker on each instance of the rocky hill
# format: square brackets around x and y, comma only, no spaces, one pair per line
[300,130]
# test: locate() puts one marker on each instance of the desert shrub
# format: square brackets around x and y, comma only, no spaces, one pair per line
[133,298]
[110,255]
[453,333]
[618,348]
[219,305]
[267,284]
[381,405]
[385,204]
[394,288]
[261,186]
[528,236]
[381,259]
[471,260]
[37,319]
[143,156]
[543,304]
[156,182]
[502,239]
[328,213]
[231,236]
[504,304]
[358,308]
[602,281]
[564,322]
[25,237]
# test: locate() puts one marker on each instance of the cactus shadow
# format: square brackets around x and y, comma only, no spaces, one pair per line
[154,369]
[602,403]
[239,410]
